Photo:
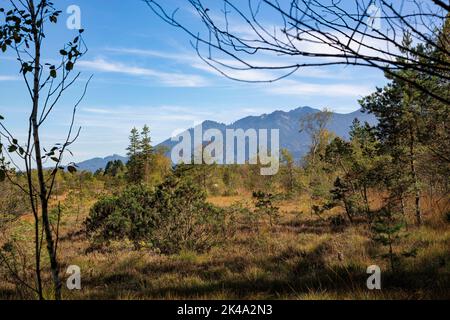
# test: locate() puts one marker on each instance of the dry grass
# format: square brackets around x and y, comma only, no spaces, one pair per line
[302,257]
[222,201]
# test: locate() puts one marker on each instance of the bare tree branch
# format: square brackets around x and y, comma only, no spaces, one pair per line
[312,33]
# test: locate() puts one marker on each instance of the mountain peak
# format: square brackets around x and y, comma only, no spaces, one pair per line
[286,121]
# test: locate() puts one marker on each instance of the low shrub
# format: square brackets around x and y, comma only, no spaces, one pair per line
[264,203]
[172,218]
[187,221]
[128,215]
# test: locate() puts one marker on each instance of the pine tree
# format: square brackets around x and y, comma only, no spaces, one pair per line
[134,164]
[387,229]
[398,109]
[264,206]
[134,146]
[367,159]
[146,142]
[146,151]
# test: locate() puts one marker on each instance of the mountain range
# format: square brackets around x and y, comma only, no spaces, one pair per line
[287,122]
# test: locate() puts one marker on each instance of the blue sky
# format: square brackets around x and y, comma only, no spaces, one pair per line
[146,72]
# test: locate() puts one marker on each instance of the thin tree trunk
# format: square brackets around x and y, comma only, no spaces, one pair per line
[402,205]
[348,210]
[43,196]
[37,246]
[391,255]
[415,180]
[37,250]
[366,200]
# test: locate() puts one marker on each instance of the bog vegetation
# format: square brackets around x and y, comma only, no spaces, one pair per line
[148,229]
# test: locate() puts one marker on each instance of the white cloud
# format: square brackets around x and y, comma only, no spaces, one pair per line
[167,78]
[289,87]
[324,42]
[9,78]
[162,119]
[267,61]
[98,111]
[120,119]
[153,53]
[195,62]
[365,43]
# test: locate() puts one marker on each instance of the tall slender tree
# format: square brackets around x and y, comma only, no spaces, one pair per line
[134,146]
[22,30]
[134,164]
[146,150]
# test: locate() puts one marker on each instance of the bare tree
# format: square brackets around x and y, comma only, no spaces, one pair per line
[315,125]
[311,33]
[22,30]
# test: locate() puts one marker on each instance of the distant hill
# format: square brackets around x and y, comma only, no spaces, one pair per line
[287,122]
[94,164]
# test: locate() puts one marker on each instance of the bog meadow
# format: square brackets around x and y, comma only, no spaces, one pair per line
[361,210]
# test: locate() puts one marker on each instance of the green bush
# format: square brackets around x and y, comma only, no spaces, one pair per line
[173,218]
[187,221]
[100,212]
[129,215]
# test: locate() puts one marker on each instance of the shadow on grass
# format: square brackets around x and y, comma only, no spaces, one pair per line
[318,226]
[290,274]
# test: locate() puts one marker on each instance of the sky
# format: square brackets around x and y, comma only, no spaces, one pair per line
[146,72]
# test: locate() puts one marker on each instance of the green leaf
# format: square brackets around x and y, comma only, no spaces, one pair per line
[63,52]
[55,159]
[1,117]
[71,169]
[69,66]
[53,73]
[12,148]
